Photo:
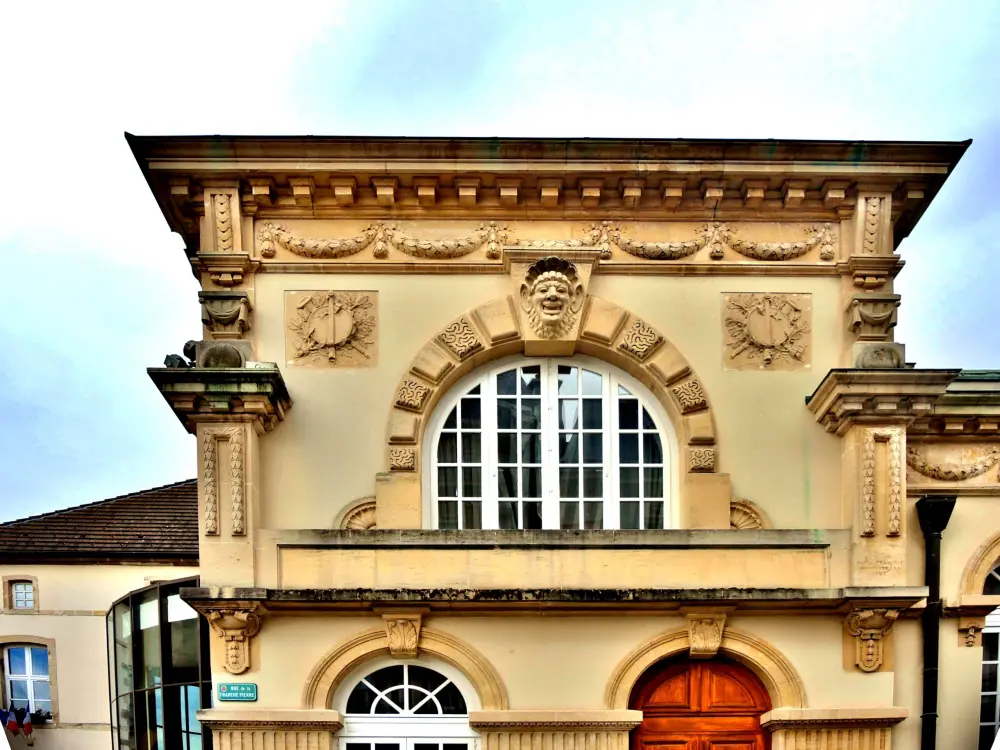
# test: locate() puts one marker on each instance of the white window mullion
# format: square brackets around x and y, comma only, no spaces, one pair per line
[612,517]
[550,446]
[491,496]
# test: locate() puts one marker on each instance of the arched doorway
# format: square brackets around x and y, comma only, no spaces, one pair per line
[700,705]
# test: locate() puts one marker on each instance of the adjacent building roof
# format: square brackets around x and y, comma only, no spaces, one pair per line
[158,525]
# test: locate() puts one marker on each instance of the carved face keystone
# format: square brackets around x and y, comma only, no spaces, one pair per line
[551,295]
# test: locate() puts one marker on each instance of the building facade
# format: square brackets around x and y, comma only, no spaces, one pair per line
[594,444]
[61,574]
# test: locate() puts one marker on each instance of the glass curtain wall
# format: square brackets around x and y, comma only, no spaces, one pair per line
[160,675]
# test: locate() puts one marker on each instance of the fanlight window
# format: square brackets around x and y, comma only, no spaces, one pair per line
[550,444]
[406,690]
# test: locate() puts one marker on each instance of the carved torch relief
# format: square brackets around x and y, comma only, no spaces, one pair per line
[331,329]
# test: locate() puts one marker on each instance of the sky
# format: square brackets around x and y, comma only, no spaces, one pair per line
[94,288]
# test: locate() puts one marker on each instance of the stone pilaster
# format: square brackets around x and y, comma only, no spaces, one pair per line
[555,730]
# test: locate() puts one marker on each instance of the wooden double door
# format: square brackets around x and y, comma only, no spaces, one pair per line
[700,705]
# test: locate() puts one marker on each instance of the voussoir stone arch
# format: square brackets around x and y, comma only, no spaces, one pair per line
[778,675]
[979,566]
[606,332]
[331,671]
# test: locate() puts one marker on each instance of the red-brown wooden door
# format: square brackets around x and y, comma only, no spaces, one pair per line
[700,705]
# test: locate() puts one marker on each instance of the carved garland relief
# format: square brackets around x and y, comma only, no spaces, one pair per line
[892,436]
[767,331]
[946,471]
[331,329]
[716,237]
[210,477]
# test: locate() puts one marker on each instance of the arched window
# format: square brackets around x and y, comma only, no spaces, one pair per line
[407,707]
[989,718]
[550,444]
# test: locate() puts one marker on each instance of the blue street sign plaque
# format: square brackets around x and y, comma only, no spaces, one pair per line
[237,691]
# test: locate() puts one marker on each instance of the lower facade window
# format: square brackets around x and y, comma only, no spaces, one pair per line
[26,677]
[550,444]
[989,707]
[407,707]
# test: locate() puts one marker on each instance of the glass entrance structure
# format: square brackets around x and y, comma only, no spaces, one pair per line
[160,677]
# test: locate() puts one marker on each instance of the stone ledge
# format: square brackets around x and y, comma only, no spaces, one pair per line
[271,718]
[805,718]
[562,720]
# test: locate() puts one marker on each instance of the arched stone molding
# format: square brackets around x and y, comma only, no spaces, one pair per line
[328,675]
[778,675]
[979,566]
[606,331]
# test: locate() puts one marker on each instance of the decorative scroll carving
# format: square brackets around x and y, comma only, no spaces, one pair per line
[869,628]
[236,627]
[745,515]
[705,634]
[640,340]
[767,328]
[821,236]
[332,328]
[552,296]
[226,314]
[361,517]
[223,222]
[461,338]
[412,395]
[402,459]
[951,472]
[210,478]
[381,236]
[701,459]
[402,632]
[690,396]
[892,436]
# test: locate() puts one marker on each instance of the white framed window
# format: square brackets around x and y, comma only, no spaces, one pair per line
[20,595]
[407,706]
[989,707]
[558,443]
[26,677]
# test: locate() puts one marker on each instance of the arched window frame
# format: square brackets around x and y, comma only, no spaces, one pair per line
[486,375]
[406,731]
[989,720]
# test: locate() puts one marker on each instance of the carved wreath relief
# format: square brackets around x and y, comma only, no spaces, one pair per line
[766,331]
[978,461]
[331,329]
[552,296]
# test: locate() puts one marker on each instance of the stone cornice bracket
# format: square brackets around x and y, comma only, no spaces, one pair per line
[236,626]
[848,397]
[832,718]
[871,272]
[869,628]
[251,394]
[226,315]
[402,632]
[705,629]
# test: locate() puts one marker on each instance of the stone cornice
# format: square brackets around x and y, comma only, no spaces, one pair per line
[310,177]
[557,720]
[255,394]
[271,718]
[847,397]
[816,718]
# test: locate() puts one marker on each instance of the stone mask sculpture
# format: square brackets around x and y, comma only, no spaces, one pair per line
[552,296]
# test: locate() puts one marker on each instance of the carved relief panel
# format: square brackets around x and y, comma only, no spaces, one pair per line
[331,329]
[767,331]
[934,465]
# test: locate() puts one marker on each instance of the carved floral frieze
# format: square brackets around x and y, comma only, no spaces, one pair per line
[491,237]
[331,329]
[949,471]
[767,331]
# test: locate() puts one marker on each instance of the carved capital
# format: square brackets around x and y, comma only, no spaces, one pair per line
[402,632]
[236,627]
[869,628]
[225,269]
[227,315]
[705,633]
[870,317]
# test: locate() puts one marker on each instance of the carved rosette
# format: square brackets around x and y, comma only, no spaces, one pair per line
[869,628]
[332,329]
[705,634]
[402,632]
[211,435]
[236,627]
[892,436]
[952,472]
[767,330]
[361,517]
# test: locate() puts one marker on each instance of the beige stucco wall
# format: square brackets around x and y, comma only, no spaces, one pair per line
[72,602]
[329,450]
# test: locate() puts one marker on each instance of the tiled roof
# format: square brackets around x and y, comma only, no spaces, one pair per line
[155,525]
